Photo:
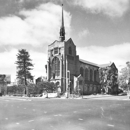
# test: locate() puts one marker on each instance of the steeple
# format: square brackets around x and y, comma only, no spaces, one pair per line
[62,29]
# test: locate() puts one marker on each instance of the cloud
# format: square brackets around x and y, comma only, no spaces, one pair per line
[119,54]
[21,1]
[40,26]
[15,31]
[8,66]
[112,8]
[34,28]
[7,63]
[40,60]
[83,33]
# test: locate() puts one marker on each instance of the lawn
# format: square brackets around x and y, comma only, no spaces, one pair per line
[64,114]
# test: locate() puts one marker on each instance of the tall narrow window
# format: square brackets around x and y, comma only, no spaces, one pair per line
[91,74]
[70,51]
[55,67]
[86,75]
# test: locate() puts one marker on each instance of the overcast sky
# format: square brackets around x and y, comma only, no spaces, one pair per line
[99,28]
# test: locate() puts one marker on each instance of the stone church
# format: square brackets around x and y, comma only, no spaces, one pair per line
[67,70]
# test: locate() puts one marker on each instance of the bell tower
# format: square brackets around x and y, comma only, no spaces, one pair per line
[57,65]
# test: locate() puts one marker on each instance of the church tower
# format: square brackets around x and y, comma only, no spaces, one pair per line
[56,69]
[62,60]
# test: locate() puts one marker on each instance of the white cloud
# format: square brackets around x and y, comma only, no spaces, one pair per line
[8,66]
[15,31]
[40,60]
[39,26]
[7,63]
[112,8]
[119,54]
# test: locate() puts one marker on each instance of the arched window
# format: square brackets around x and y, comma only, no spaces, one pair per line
[86,75]
[91,74]
[55,71]
[81,71]
[70,51]
[95,75]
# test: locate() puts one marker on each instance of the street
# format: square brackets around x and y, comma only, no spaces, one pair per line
[90,113]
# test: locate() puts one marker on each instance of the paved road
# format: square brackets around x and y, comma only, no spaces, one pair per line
[91,113]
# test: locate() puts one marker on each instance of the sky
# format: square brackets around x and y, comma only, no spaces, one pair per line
[100,29]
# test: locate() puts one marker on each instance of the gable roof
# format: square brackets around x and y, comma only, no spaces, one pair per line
[107,65]
[53,42]
[70,40]
[88,62]
[100,66]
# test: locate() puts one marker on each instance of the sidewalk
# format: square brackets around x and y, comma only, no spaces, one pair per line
[100,96]
[97,96]
[88,96]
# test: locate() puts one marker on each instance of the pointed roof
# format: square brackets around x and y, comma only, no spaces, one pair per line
[62,25]
[62,29]
[106,65]
[70,40]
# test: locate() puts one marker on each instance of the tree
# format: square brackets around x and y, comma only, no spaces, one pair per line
[108,79]
[128,71]
[46,86]
[24,66]
[123,76]
[103,78]
[15,89]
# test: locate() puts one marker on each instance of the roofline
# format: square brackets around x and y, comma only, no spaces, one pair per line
[90,63]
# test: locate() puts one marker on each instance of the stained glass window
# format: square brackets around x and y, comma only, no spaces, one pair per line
[55,67]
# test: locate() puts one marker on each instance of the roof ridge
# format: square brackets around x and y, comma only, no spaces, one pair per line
[88,62]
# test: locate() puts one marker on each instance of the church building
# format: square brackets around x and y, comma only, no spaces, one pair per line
[67,70]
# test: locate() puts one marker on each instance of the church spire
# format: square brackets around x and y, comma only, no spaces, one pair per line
[62,29]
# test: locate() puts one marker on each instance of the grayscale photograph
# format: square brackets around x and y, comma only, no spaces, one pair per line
[64,64]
